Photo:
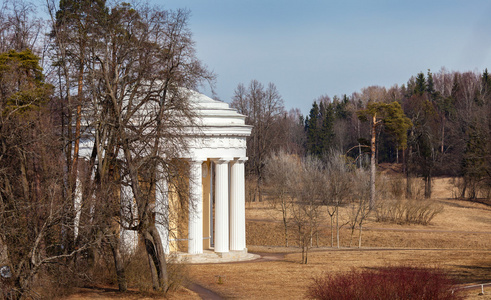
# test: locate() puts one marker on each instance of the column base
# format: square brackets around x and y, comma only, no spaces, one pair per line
[214,257]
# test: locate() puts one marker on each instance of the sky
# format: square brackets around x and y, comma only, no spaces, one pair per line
[312,48]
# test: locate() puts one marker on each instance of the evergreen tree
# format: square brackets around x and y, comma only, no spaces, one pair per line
[327,130]
[395,121]
[420,85]
[474,165]
[486,78]
[312,130]
[430,87]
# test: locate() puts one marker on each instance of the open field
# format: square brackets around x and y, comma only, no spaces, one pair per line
[458,240]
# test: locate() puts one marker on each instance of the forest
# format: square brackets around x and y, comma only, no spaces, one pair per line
[444,128]
[93,64]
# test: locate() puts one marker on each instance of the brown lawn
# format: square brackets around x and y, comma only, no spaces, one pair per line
[458,240]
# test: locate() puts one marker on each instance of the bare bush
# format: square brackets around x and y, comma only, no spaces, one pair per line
[391,187]
[409,211]
[471,189]
[385,283]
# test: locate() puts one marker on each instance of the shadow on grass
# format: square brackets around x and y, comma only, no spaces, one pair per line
[471,273]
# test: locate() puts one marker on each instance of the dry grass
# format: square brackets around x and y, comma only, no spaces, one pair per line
[288,279]
[132,294]
[458,240]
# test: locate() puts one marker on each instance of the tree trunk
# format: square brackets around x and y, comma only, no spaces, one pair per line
[303,254]
[464,188]
[151,261]
[359,237]
[428,186]
[337,225]
[397,155]
[403,160]
[259,190]
[351,236]
[372,162]
[155,251]
[118,264]
[332,229]
[286,228]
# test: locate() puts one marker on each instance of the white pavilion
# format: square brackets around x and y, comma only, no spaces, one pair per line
[216,154]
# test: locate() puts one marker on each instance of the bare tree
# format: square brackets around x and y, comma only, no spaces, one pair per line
[125,73]
[359,204]
[72,29]
[263,108]
[20,29]
[281,171]
[305,212]
[142,64]
[337,188]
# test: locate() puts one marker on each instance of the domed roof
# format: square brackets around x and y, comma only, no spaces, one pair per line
[216,117]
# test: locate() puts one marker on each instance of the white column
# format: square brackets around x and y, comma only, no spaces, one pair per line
[162,210]
[129,216]
[237,206]
[195,228]
[221,206]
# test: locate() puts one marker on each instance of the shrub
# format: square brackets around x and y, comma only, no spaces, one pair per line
[385,283]
[410,211]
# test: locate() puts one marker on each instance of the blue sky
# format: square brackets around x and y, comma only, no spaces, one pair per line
[313,48]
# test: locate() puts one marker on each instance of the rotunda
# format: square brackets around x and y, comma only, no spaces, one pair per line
[216,153]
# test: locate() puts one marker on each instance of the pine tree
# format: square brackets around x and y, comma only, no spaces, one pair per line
[430,87]
[312,130]
[327,129]
[420,86]
[395,121]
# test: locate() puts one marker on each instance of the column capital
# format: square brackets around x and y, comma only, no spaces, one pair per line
[222,160]
[241,159]
[196,159]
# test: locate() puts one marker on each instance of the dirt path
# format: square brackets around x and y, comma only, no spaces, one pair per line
[203,292]
[267,257]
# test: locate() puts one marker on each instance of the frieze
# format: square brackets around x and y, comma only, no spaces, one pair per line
[225,142]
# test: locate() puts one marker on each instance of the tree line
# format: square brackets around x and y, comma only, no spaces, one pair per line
[436,124]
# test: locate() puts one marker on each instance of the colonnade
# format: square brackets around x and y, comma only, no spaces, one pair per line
[229,207]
